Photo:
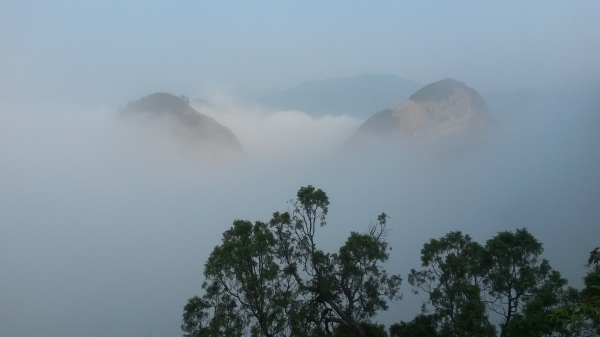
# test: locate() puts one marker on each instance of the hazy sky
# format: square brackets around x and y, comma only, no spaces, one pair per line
[107,52]
[105,227]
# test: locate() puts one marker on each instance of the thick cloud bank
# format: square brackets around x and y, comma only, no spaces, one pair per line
[105,226]
[285,135]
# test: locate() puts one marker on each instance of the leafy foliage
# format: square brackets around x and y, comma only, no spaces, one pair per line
[467,282]
[226,318]
[452,277]
[421,326]
[370,330]
[272,278]
[348,287]
[516,276]
[580,315]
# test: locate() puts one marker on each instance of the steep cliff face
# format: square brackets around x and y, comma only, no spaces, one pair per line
[175,115]
[446,113]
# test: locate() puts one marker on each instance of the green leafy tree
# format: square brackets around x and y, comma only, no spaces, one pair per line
[370,329]
[277,282]
[196,318]
[591,296]
[516,276]
[244,267]
[579,315]
[421,326]
[451,276]
[348,287]
[242,285]
[217,314]
[534,319]
[466,283]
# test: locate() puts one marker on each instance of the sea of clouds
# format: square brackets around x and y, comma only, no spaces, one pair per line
[105,225]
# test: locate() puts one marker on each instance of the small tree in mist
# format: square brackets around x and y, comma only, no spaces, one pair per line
[272,279]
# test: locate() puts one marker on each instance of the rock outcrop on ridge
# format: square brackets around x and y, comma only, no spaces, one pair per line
[177,116]
[445,113]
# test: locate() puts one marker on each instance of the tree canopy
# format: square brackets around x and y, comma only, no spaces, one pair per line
[271,279]
[452,277]
[467,284]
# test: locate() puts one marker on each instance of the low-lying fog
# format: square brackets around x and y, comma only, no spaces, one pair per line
[105,226]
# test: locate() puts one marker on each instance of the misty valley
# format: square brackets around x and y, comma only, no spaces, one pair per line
[170,205]
[299,168]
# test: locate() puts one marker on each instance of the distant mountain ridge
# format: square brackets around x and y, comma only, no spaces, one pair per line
[358,96]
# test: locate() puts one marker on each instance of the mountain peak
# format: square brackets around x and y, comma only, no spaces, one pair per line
[442,90]
[183,121]
[160,102]
[446,113]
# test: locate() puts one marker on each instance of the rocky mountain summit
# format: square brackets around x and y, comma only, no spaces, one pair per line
[445,113]
[175,115]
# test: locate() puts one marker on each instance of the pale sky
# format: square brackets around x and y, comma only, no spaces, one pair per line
[107,52]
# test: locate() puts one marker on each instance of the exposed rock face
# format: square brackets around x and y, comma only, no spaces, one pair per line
[445,113]
[176,115]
